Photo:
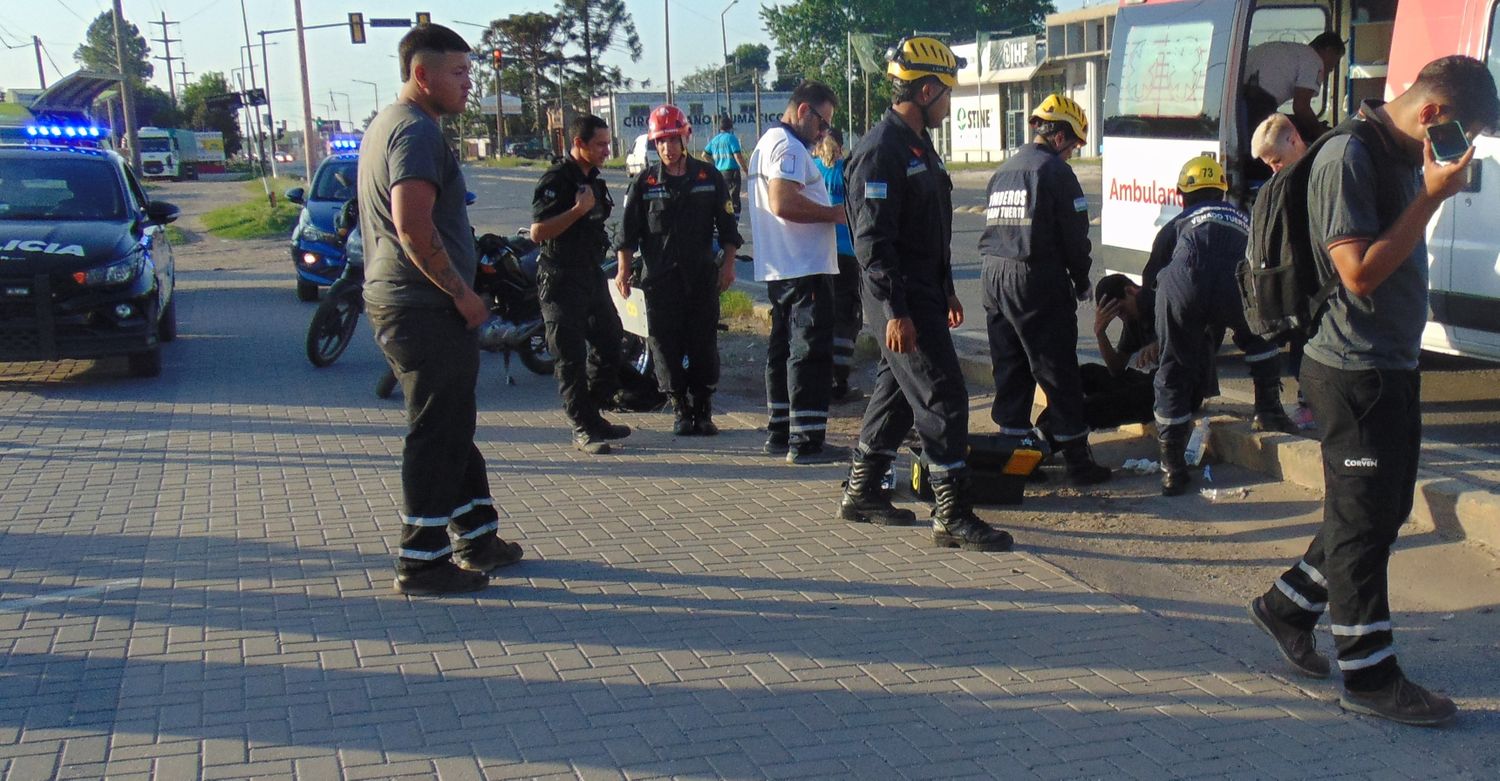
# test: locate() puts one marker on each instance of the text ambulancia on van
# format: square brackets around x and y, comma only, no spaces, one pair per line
[85,267]
[1175,91]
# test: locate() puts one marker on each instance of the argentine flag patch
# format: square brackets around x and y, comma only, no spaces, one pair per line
[875,190]
[1080,204]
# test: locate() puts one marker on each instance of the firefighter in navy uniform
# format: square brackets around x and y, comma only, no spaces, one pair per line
[1197,297]
[569,210]
[672,212]
[900,207]
[1036,268]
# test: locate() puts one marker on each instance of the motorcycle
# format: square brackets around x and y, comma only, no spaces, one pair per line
[332,325]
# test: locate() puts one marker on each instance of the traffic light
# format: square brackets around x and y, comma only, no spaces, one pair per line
[423,17]
[356,27]
[499,57]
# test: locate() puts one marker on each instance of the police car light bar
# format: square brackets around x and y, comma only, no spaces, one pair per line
[344,142]
[62,131]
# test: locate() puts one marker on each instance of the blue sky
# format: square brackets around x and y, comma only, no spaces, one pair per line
[212,34]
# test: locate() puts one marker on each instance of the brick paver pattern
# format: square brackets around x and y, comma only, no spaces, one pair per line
[197,583]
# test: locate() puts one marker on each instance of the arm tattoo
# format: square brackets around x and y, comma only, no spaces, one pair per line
[434,263]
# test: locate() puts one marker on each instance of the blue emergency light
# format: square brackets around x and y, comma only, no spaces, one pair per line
[344,143]
[62,131]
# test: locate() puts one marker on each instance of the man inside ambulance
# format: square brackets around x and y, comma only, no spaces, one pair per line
[1279,71]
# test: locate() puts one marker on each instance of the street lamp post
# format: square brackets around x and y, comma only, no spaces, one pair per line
[373,85]
[724,41]
[348,107]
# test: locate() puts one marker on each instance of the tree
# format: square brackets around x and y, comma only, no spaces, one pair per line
[97,52]
[535,41]
[813,33]
[199,116]
[154,108]
[595,27]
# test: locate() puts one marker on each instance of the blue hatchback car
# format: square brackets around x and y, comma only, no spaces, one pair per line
[316,253]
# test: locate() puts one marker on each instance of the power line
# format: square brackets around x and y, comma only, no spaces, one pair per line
[71,11]
[48,52]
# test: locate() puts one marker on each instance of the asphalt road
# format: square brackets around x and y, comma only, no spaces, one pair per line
[1461,397]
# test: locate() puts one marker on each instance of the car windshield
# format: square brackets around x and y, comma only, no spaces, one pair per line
[156,145]
[335,181]
[53,188]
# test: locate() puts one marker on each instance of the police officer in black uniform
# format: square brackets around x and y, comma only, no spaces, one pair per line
[900,207]
[1036,267]
[568,211]
[672,212]
[1197,297]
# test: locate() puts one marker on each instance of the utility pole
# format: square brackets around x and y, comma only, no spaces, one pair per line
[260,136]
[166,40]
[265,64]
[41,75]
[183,73]
[127,92]
[307,115]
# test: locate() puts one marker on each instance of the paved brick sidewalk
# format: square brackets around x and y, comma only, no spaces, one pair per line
[197,584]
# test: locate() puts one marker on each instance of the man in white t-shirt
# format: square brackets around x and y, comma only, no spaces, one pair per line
[1279,71]
[792,226]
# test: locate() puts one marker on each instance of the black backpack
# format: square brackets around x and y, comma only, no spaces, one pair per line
[1284,286]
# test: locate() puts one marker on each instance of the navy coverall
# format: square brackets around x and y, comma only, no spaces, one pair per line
[900,207]
[576,307]
[672,220]
[1197,297]
[1036,266]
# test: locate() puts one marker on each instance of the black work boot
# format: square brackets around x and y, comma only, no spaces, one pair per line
[954,524]
[1403,702]
[1082,468]
[486,553]
[586,439]
[865,501]
[1173,440]
[1269,414]
[442,578]
[603,429]
[776,445]
[682,417]
[1297,646]
[703,416]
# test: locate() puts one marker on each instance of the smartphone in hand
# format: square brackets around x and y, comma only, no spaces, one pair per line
[1449,142]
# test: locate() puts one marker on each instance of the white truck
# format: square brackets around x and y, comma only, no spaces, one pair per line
[168,153]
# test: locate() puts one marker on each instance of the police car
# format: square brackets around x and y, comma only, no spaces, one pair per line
[317,255]
[86,270]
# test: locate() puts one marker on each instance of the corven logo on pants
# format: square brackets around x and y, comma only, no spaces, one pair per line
[1368,463]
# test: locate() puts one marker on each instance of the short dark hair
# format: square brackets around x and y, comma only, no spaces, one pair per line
[1111,286]
[584,126]
[726,124]
[1328,40]
[837,135]
[1464,84]
[903,91]
[433,38]
[813,93]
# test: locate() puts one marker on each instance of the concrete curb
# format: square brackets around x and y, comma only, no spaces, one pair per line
[1444,503]
[1447,504]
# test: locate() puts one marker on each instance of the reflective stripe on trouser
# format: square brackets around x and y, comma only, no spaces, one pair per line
[1372,432]
[925,388]
[443,481]
[682,313]
[1194,306]
[848,316]
[578,314]
[799,356]
[1032,322]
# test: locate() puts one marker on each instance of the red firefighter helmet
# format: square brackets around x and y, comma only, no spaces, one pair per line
[667,121]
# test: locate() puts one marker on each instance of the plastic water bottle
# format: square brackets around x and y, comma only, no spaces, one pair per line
[1197,442]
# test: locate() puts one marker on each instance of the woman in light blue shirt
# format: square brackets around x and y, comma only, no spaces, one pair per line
[848,310]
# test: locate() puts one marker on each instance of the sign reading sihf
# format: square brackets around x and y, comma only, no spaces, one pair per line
[357,23]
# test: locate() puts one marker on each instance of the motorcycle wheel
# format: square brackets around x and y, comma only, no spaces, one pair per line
[332,328]
[536,355]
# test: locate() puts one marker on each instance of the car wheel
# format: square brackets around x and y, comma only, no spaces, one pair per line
[146,363]
[307,291]
[166,324]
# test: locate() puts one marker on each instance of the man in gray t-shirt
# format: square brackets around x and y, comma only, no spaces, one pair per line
[1369,210]
[420,263]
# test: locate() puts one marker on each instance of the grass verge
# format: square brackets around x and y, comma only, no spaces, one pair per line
[176,236]
[253,218]
[735,305]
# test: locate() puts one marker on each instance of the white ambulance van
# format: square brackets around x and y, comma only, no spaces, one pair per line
[1173,92]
